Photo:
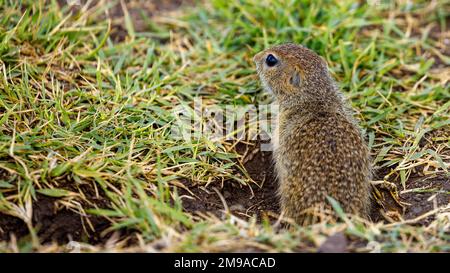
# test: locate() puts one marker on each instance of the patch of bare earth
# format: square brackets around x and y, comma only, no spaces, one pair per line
[421,195]
[56,223]
[242,200]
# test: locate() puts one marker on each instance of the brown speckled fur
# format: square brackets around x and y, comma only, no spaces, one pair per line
[318,148]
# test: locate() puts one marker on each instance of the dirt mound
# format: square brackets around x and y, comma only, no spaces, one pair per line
[54,225]
[423,194]
[260,199]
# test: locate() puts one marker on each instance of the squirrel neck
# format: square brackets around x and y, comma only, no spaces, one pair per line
[316,95]
[310,106]
[306,105]
[303,103]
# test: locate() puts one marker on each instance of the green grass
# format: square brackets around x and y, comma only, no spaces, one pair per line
[81,111]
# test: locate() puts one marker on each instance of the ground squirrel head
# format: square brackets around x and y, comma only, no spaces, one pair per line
[291,71]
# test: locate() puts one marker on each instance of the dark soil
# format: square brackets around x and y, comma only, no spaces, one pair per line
[55,224]
[436,193]
[259,199]
[11,225]
[61,225]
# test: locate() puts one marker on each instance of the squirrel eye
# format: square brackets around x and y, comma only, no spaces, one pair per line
[271,60]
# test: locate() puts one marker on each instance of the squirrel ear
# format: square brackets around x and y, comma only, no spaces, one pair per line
[295,78]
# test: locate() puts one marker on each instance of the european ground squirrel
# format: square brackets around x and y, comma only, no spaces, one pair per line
[318,147]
